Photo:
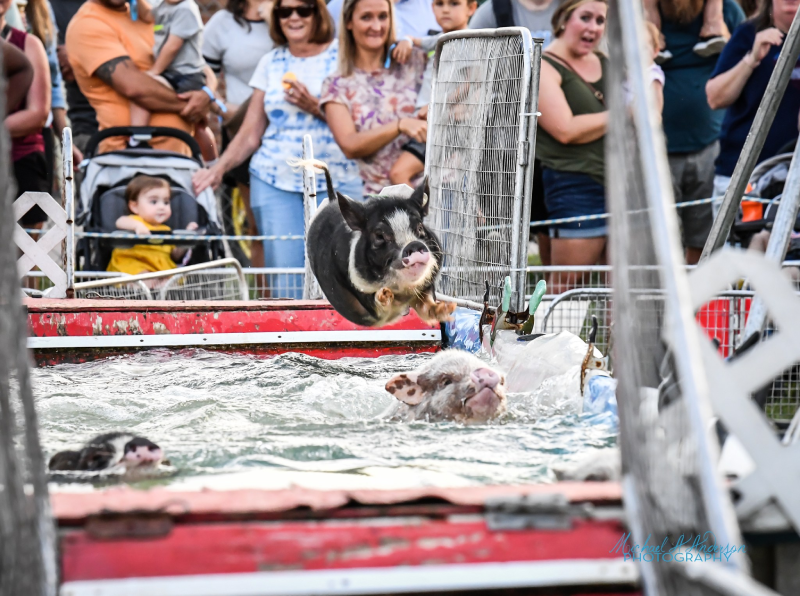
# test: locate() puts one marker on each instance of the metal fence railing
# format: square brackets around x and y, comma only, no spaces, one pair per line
[723,319]
[223,279]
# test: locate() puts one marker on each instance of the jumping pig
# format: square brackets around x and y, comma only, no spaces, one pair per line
[375,260]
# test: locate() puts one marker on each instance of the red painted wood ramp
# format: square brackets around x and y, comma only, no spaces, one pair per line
[80,330]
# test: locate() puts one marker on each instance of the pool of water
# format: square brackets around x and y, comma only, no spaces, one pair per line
[235,417]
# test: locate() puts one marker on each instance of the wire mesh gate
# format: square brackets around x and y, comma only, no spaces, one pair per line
[482,133]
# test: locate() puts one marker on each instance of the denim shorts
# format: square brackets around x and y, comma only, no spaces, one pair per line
[569,194]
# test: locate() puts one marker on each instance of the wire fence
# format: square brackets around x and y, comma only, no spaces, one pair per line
[478,159]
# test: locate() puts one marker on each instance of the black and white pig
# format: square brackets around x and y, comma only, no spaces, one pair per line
[112,450]
[453,385]
[375,260]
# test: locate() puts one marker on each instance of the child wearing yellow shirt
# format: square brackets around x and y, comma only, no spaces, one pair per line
[148,200]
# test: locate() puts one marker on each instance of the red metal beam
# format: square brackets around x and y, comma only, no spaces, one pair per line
[258,546]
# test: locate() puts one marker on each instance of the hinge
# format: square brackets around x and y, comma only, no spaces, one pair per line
[538,511]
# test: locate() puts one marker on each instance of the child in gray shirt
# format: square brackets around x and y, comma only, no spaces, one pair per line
[179,62]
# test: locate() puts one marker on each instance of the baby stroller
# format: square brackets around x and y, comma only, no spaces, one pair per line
[766,182]
[102,195]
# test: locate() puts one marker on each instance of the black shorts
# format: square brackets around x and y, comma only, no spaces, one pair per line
[241,173]
[538,209]
[50,155]
[182,83]
[30,173]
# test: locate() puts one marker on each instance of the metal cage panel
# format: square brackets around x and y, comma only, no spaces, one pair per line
[480,152]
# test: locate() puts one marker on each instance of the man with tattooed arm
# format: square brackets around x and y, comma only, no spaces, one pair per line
[109,53]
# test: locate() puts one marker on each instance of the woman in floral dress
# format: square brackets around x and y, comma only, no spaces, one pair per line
[370,102]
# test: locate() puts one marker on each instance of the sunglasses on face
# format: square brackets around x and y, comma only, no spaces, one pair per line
[284,12]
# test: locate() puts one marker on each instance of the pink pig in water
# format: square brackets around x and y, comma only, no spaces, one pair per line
[453,385]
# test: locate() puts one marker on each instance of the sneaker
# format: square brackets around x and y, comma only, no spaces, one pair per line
[663,56]
[710,46]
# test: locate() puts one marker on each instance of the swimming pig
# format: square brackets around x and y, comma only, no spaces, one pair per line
[107,451]
[374,260]
[453,385]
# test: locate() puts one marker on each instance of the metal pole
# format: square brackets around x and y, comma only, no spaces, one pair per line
[755,140]
[68,199]
[684,338]
[311,289]
[524,226]
[519,233]
[778,239]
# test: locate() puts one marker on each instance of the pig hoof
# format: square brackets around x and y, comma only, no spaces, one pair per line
[384,297]
[443,311]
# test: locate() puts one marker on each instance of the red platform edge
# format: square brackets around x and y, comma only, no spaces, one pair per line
[48,318]
[253,547]
[75,507]
[244,543]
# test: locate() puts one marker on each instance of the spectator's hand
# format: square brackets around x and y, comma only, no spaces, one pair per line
[77,155]
[64,65]
[423,113]
[298,95]
[402,51]
[141,229]
[414,128]
[764,41]
[204,178]
[192,226]
[197,103]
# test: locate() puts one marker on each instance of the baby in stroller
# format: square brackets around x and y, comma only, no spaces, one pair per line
[148,200]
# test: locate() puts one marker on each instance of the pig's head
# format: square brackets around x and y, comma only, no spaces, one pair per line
[453,385]
[141,452]
[391,247]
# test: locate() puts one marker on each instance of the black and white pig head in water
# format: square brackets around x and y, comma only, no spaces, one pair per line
[453,385]
[375,260]
[120,450]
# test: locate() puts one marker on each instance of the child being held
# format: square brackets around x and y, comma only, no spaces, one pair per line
[452,15]
[148,201]
[655,75]
[179,62]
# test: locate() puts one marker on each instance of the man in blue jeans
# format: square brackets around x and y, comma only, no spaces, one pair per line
[691,126]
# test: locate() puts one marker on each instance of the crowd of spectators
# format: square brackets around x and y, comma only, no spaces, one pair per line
[355,75]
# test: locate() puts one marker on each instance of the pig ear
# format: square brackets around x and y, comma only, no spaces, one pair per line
[353,213]
[405,388]
[421,196]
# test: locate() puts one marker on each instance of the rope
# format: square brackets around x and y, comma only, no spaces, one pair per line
[579,218]
[544,222]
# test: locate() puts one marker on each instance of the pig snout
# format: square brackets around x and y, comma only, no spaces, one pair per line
[484,378]
[415,253]
[486,402]
[144,455]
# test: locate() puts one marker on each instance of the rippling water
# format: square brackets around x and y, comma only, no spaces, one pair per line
[219,414]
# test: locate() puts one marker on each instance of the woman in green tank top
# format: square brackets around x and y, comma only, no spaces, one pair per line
[570,139]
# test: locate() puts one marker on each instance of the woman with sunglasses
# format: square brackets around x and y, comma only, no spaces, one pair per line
[283,108]
[370,103]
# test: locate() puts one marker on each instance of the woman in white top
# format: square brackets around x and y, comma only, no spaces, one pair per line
[285,107]
[234,41]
